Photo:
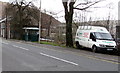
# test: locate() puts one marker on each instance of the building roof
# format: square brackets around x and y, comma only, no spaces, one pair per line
[31,28]
[2,20]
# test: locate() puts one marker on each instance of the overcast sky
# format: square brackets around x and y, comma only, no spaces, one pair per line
[96,14]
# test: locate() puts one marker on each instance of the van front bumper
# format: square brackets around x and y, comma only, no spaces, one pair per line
[106,49]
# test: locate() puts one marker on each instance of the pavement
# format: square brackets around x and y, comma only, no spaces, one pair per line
[0,55]
[28,56]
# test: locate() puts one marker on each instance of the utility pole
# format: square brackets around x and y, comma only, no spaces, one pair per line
[6,34]
[40,22]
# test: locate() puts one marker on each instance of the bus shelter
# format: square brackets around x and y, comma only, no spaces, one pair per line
[31,34]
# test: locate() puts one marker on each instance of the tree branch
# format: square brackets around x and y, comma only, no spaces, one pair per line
[26,5]
[71,6]
[65,6]
[66,11]
[87,6]
[83,4]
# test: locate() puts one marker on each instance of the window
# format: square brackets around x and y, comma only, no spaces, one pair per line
[103,36]
[92,36]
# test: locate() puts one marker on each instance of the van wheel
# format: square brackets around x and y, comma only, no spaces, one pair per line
[77,45]
[94,49]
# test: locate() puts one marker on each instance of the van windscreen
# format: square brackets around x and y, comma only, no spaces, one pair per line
[103,36]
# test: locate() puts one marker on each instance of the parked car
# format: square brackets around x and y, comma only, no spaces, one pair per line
[43,39]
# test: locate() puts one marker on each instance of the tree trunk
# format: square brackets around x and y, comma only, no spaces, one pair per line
[68,18]
[69,39]
[49,26]
[118,31]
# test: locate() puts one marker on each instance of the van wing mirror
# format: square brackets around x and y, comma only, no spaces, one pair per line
[94,39]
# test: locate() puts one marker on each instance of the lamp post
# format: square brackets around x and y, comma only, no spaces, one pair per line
[6,34]
[40,22]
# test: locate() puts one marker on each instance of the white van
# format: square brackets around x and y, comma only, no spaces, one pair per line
[95,37]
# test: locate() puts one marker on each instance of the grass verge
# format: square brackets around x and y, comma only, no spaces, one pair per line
[52,43]
[49,43]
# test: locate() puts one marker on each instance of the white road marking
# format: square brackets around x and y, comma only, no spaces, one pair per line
[20,47]
[59,59]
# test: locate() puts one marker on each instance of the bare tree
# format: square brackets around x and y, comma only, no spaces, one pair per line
[108,26]
[22,14]
[69,11]
[51,16]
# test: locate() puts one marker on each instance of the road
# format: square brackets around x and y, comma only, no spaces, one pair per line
[19,56]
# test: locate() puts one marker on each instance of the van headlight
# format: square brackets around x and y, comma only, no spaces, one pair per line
[101,45]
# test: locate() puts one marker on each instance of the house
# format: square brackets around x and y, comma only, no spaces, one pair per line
[48,25]
[4,29]
[2,20]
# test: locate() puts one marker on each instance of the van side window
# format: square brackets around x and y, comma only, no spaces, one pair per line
[92,37]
